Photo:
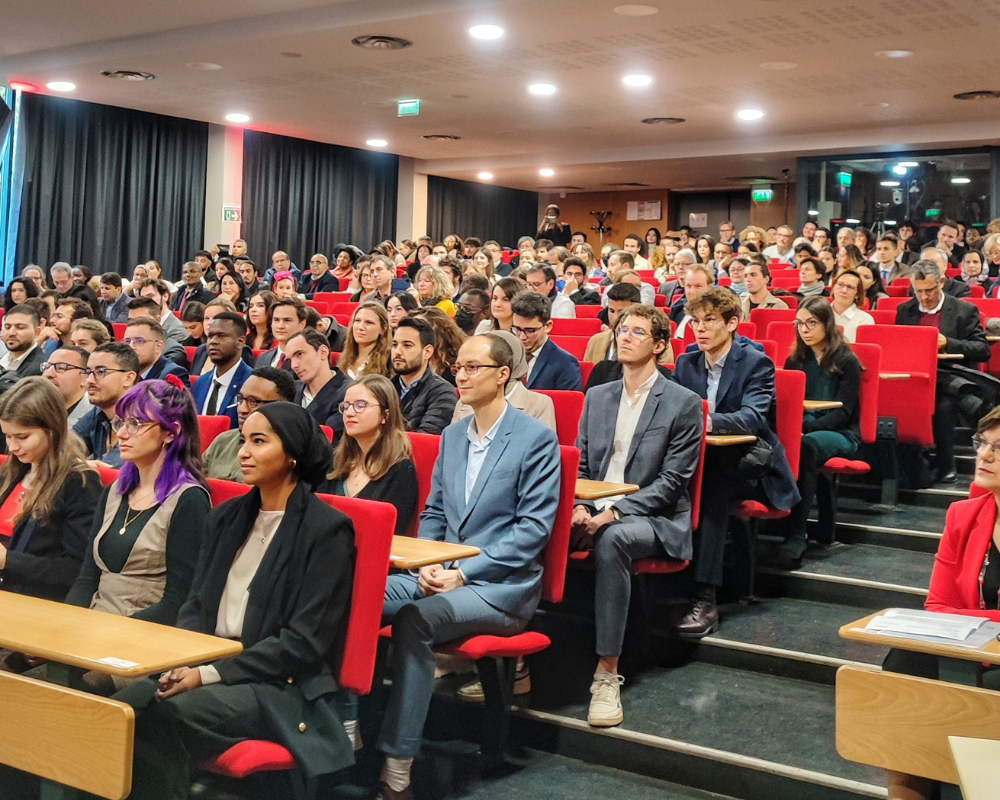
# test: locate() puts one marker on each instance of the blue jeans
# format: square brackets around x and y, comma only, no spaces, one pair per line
[418,623]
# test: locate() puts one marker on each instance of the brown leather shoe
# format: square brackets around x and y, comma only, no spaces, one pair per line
[703,616]
[384,792]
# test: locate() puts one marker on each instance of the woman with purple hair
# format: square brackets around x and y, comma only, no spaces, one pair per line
[150,522]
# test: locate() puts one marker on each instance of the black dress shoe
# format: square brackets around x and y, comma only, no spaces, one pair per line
[702,618]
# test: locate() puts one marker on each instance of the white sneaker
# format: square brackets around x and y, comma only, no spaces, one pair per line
[606,700]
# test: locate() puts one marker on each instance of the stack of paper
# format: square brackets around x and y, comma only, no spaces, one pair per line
[911,622]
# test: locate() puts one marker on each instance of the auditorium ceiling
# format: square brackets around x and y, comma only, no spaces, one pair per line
[820,72]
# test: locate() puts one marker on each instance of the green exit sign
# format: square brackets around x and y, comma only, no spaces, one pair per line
[762,195]
[407,108]
[844,178]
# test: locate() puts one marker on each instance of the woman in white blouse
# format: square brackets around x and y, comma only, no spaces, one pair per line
[848,297]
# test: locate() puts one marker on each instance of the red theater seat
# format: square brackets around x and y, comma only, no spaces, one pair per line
[575,327]
[119,329]
[588,312]
[426,447]
[569,408]
[762,317]
[586,367]
[211,426]
[222,490]
[575,345]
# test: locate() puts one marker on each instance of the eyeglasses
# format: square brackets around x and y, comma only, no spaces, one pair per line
[525,331]
[979,444]
[704,322]
[635,333]
[252,402]
[536,285]
[100,372]
[806,324]
[131,424]
[358,405]
[472,369]
[137,341]
[62,366]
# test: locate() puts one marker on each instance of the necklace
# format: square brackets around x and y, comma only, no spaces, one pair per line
[121,530]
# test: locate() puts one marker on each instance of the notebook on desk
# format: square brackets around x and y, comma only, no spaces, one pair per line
[929,626]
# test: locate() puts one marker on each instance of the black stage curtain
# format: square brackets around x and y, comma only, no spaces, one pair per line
[475,209]
[110,187]
[304,197]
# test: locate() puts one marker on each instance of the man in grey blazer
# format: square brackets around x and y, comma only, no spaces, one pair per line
[646,430]
[495,592]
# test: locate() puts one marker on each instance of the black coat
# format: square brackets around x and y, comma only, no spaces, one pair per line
[586,296]
[960,323]
[295,623]
[43,558]
[199,295]
[429,406]
[327,283]
[847,377]
[398,486]
[325,407]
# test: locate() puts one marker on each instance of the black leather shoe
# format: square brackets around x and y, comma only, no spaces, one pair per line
[702,618]
[790,553]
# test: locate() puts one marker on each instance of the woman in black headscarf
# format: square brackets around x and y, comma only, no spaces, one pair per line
[275,572]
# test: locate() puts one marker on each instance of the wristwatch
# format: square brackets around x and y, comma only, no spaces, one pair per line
[617,513]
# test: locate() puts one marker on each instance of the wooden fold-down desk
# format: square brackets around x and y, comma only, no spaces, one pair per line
[69,738]
[408,552]
[598,490]
[728,440]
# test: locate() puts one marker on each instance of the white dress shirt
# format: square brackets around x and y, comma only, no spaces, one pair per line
[935,310]
[852,319]
[629,411]
[7,362]
[224,381]
[478,450]
[563,307]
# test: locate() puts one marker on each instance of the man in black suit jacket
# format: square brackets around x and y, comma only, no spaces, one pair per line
[320,388]
[428,400]
[194,291]
[959,331]
[21,328]
[576,288]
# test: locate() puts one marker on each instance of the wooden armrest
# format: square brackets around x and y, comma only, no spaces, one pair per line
[728,441]
[821,405]
[950,356]
[894,376]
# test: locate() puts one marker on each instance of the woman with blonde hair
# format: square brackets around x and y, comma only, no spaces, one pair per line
[47,493]
[435,289]
[374,459]
[368,346]
[363,282]
[756,236]
[449,339]
[849,257]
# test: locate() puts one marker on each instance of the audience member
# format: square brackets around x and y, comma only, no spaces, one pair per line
[193,320]
[88,334]
[427,400]
[194,289]
[374,459]
[68,311]
[848,297]
[47,493]
[555,232]
[289,613]
[435,289]
[473,310]
[36,275]
[959,331]
[368,349]
[344,260]
[259,320]
[549,366]
[974,272]
[319,278]
[697,280]
[288,317]
[781,250]
[647,431]
[159,292]
[952,287]
[738,382]
[113,370]
[201,364]
[486,594]
[575,283]
[887,257]
[399,305]
[146,307]
[601,346]
[501,314]
[61,275]
[263,385]
[145,336]
[758,279]
[833,372]
[17,291]
[248,271]
[66,369]
[320,387]
[21,329]
[232,287]
[214,392]
[811,274]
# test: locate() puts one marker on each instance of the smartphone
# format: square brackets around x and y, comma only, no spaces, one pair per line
[223,249]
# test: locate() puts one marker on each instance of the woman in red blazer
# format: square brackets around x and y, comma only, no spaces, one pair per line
[966,576]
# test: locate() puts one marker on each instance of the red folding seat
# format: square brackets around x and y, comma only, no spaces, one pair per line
[575,345]
[190,351]
[575,327]
[660,301]
[426,447]
[762,317]
[119,328]
[569,408]
[586,367]
[587,312]
[897,291]
[344,308]
[771,350]
[977,292]
[790,300]
[211,426]
[108,474]
[891,304]
[885,317]
[221,490]
[330,298]
[328,432]
[900,282]
[748,329]
[783,335]
[790,283]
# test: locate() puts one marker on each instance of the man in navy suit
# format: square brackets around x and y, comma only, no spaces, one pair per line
[495,592]
[214,391]
[145,336]
[641,429]
[549,366]
[738,382]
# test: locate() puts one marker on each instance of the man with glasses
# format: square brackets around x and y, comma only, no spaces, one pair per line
[319,277]
[214,392]
[601,346]
[541,278]
[114,369]
[383,272]
[172,348]
[67,370]
[782,249]
[727,235]
[644,430]
[264,385]
[495,486]
[320,387]
[145,336]
[549,366]
[575,287]
[426,399]
[738,382]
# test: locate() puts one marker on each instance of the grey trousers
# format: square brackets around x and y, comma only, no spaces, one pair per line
[418,623]
[616,546]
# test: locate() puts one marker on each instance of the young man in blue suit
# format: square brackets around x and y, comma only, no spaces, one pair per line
[495,592]
[738,382]
[646,430]
[549,366]
[214,392]
[145,335]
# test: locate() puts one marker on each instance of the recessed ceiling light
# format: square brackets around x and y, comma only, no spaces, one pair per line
[637,80]
[873,104]
[778,65]
[899,169]
[958,179]
[238,118]
[894,53]
[542,88]
[381,42]
[485,31]
[636,10]
[852,221]
[546,173]
[812,212]
[376,142]
[750,114]
[127,75]
[889,183]
[485,176]
[982,94]
[663,120]
[289,54]
[440,137]
[203,66]
[60,86]
[23,86]
[909,164]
